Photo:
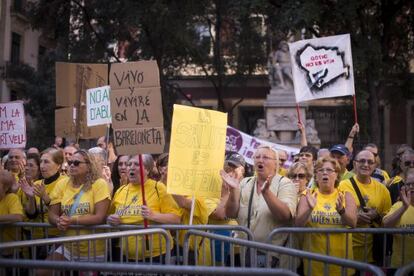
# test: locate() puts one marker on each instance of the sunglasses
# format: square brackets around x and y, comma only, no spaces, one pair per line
[409,163]
[363,161]
[297,176]
[75,163]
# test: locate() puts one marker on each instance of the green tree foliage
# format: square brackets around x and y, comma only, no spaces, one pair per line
[382,34]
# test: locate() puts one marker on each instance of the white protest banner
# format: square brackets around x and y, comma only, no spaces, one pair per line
[322,67]
[98,106]
[246,145]
[12,125]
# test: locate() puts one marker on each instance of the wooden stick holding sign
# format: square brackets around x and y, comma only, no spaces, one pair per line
[141,174]
[192,210]
[355,110]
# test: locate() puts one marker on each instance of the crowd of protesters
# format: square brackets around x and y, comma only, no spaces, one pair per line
[66,185]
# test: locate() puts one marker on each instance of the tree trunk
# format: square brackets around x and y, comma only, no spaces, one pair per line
[373,109]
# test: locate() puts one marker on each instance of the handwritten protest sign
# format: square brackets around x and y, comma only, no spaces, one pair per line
[196,151]
[12,125]
[98,106]
[136,108]
[322,67]
[134,74]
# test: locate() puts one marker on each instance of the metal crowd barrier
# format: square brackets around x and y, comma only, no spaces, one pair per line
[140,268]
[269,248]
[116,253]
[405,270]
[367,231]
[115,267]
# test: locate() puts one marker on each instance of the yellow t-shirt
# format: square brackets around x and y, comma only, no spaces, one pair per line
[283,171]
[64,194]
[203,207]
[324,215]
[377,196]
[127,203]
[10,205]
[406,221]
[41,207]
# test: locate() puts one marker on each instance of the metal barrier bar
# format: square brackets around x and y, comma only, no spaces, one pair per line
[367,231]
[140,268]
[286,251]
[405,270]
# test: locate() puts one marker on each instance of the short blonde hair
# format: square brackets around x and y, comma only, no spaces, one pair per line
[335,164]
[275,153]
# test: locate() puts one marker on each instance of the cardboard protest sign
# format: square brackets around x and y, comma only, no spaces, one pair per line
[134,74]
[73,79]
[98,106]
[246,145]
[136,108]
[196,156]
[322,67]
[12,125]
[65,124]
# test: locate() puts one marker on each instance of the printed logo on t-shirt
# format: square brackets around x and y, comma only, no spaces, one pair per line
[129,210]
[82,209]
[320,217]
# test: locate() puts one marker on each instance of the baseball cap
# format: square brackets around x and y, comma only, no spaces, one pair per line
[340,148]
[235,159]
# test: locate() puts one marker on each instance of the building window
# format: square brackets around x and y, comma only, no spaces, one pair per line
[15,48]
[18,6]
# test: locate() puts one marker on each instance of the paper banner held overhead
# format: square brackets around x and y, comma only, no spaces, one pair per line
[197,147]
[322,67]
[12,125]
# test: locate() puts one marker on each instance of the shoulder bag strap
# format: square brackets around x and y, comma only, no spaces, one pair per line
[249,215]
[358,192]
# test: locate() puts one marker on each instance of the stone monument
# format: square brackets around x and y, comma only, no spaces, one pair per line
[281,121]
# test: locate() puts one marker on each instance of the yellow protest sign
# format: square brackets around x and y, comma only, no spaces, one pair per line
[198,138]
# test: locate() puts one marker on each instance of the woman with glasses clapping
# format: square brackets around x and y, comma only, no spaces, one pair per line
[326,207]
[83,199]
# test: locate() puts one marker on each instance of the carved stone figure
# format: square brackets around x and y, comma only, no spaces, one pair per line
[280,67]
[262,132]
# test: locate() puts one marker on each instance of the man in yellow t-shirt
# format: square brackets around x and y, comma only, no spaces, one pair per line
[377,202]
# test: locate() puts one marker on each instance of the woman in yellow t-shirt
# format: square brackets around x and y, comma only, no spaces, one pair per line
[11,210]
[127,208]
[401,215]
[82,199]
[326,207]
[36,196]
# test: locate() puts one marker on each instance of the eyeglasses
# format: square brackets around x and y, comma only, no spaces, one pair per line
[282,160]
[265,158]
[409,163]
[410,184]
[297,176]
[75,163]
[365,161]
[325,170]
[306,154]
